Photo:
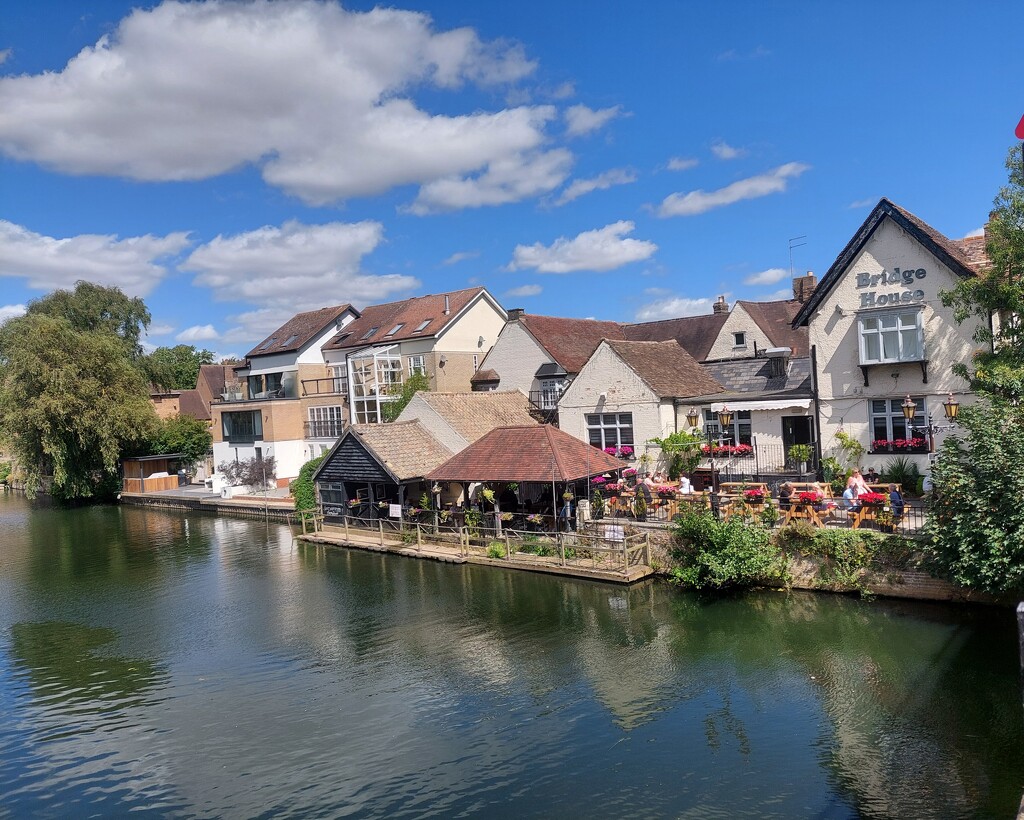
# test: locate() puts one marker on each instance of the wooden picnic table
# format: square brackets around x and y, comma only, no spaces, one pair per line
[806,510]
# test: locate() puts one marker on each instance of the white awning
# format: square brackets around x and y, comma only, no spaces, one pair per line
[773,404]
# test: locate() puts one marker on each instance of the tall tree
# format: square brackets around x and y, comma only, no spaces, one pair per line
[91,307]
[175,368]
[71,401]
[183,434]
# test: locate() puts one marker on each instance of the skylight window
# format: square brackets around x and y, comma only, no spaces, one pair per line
[395,329]
[291,340]
[268,342]
[370,332]
[422,325]
[340,338]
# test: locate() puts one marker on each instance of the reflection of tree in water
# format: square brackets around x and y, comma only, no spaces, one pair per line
[61,663]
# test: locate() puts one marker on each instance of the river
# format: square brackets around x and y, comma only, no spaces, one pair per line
[183,665]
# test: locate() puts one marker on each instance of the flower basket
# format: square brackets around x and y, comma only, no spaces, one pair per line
[629,472]
[755,496]
[665,491]
[735,450]
[809,497]
[505,516]
[874,499]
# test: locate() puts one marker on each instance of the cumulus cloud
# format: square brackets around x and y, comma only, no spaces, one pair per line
[861,203]
[11,312]
[295,267]
[4,54]
[579,187]
[563,91]
[460,256]
[766,277]
[321,99]
[603,249]
[723,150]
[697,202]
[976,233]
[682,163]
[673,308]
[48,262]
[159,329]
[198,333]
[525,290]
[506,180]
[580,120]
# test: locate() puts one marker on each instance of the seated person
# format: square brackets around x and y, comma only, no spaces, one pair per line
[871,477]
[897,504]
[785,496]
[685,487]
[850,500]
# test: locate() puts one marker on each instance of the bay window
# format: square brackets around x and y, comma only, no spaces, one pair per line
[891,337]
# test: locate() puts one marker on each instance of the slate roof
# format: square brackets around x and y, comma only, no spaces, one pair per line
[536,453]
[695,333]
[298,330]
[404,447]
[472,415]
[409,313]
[950,253]
[775,319]
[666,368]
[749,380]
[570,341]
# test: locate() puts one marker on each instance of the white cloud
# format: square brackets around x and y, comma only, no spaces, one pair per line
[673,308]
[766,277]
[598,250]
[525,290]
[580,120]
[4,54]
[11,312]
[862,203]
[563,91]
[733,54]
[723,150]
[160,330]
[682,163]
[783,293]
[295,267]
[579,187]
[318,97]
[506,180]
[48,262]
[976,233]
[697,202]
[460,256]
[198,333]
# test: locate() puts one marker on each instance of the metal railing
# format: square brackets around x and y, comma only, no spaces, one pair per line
[324,428]
[324,387]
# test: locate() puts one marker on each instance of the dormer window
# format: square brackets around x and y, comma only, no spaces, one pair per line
[739,339]
[395,329]
[369,333]
[422,325]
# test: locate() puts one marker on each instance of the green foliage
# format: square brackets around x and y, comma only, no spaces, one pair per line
[532,545]
[72,400]
[303,490]
[391,410]
[681,450]
[976,521]
[5,472]
[640,507]
[597,504]
[721,554]
[833,470]
[901,470]
[425,501]
[800,453]
[183,434]
[472,518]
[496,549]
[93,308]
[175,368]
[255,474]
[770,515]
[850,450]
[998,291]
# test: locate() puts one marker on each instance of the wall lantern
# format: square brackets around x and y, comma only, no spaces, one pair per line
[693,417]
[909,408]
[725,417]
[952,407]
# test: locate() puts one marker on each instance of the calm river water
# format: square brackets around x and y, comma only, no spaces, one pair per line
[185,665]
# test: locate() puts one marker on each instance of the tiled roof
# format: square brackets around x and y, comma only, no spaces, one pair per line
[776,322]
[666,367]
[950,253]
[537,453]
[749,379]
[570,341]
[214,375]
[404,447]
[472,415]
[409,313]
[485,376]
[695,333]
[298,330]
[973,249]
[191,403]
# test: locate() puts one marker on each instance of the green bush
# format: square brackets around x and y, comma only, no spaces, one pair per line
[496,550]
[5,472]
[901,470]
[302,487]
[721,554]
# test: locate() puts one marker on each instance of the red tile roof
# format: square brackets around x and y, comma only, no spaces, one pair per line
[695,333]
[973,249]
[666,368]
[570,341]
[298,330]
[409,313]
[538,453]
[776,322]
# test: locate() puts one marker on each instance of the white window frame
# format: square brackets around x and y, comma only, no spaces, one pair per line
[550,390]
[741,430]
[739,338]
[894,418]
[322,416]
[417,364]
[899,341]
[610,429]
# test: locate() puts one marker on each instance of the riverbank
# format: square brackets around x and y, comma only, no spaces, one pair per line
[196,497]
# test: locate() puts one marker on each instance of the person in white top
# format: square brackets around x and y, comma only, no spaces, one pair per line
[685,487]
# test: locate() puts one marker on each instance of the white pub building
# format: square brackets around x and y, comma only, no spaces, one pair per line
[878,333]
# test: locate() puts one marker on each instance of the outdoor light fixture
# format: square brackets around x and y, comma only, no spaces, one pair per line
[725,417]
[950,406]
[693,417]
[909,408]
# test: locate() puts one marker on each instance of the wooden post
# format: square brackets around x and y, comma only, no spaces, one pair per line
[647,549]
[1020,637]
[345,518]
[419,538]
[380,527]
[508,548]
[561,547]
[625,556]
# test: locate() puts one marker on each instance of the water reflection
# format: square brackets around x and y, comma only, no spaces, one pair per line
[190,664]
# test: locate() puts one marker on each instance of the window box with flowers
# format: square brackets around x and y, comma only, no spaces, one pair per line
[811,497]
[734,450]
[665,491]
[900,445]
[622,451]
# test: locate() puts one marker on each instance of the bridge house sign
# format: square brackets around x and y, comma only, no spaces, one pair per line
[894,277]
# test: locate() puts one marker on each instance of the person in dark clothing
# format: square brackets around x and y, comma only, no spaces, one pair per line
[643,489]
[897,504]
[785,496]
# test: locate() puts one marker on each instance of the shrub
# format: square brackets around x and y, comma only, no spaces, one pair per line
[496,549]
[302,487]
[5,472]
[901,470]
[722,554]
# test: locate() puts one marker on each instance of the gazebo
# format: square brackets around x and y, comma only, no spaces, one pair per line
[537,458]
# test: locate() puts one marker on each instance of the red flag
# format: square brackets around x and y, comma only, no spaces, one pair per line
[1020,129]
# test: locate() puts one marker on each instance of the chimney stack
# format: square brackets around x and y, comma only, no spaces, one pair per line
[447,305]
[515,314]
[721,306]
[803,286]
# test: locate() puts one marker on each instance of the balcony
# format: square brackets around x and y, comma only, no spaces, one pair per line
[329,428]
[324,387]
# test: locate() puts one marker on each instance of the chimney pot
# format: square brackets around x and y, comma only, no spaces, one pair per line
[720,306]
[447,305]
[515,314]
[803,286]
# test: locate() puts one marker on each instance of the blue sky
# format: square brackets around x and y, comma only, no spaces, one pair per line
[236,163]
